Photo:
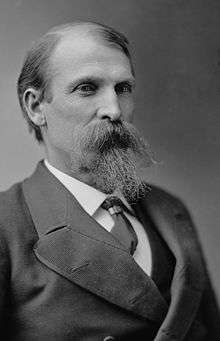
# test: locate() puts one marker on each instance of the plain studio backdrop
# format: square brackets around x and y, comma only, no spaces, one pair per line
[176,54]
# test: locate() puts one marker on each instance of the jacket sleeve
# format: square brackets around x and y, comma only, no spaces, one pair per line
[4,281]
[209,305]
[211,313]
[210,309]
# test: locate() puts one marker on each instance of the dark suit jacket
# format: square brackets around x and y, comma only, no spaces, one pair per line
[63,277]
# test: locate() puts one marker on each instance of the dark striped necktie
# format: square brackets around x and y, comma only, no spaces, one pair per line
[122,229]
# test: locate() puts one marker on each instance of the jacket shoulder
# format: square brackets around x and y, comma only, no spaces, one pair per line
[164,199]
[11,201]
[13,212]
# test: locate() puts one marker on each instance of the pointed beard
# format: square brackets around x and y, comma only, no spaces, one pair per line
[113,155]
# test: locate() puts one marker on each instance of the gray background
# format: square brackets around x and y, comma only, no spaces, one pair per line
[175,46]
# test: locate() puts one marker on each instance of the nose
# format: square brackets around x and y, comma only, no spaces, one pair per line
[109,106]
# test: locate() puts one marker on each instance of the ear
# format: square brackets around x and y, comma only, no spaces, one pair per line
[33,106]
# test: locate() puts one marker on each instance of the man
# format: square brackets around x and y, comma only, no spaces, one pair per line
[76,262]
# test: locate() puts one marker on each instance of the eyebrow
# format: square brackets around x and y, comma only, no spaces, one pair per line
[92,79]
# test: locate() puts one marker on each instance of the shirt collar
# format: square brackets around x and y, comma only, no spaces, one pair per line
[89,198]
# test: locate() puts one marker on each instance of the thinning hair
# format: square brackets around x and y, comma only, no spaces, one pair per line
[35,72]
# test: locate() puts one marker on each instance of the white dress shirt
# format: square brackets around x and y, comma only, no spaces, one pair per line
[91,199]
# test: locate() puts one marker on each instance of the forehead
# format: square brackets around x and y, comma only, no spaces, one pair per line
[81,54]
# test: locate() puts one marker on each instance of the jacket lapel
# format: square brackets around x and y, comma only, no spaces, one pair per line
[72,244]
[175,226]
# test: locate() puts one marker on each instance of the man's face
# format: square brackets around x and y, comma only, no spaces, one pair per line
[90,82]
[88,132]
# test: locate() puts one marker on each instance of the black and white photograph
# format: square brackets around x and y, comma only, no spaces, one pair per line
[109,170]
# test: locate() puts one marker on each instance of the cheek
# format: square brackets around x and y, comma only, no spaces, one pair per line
[60,132]
[127,106]
[61,122]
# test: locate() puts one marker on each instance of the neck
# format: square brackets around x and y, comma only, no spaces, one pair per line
[63,164]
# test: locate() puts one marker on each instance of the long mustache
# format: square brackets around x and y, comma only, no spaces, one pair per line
[106,135]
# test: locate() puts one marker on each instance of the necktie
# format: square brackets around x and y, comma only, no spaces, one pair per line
[122,230]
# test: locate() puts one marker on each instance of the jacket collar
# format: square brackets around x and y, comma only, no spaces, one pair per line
[72,244]
[75,246]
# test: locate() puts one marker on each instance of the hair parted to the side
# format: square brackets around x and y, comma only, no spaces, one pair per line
[36,72]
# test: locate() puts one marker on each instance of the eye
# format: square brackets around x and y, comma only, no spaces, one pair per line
[86,89]
[124,87]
